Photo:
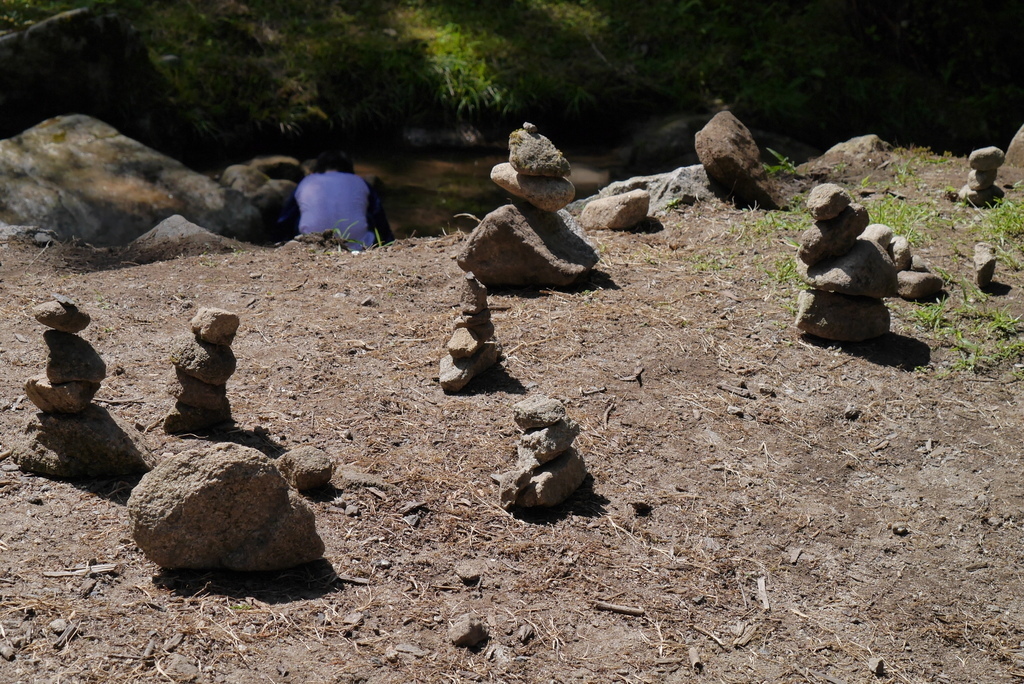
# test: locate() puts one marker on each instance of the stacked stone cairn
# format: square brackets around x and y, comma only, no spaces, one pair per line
[849,269]
[74,370]
[981,189]
[548,469]
[532,241]
[203,363]
[472,348]
[71,437]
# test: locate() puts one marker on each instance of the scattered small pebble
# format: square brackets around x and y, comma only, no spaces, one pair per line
[900,529]
[467,631]
[876,666]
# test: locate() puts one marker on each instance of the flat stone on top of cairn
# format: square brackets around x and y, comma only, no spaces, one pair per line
[549,469]
[534,241]
[472,348]
[981,190]
[203,363]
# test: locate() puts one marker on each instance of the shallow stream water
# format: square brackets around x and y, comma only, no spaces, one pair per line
[425,191]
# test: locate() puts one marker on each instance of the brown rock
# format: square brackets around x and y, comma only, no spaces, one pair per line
[463,343]
[834,237]
[211,363]
[531,154]
[827,201]
[215,326]
[198,394]
[543,192]
[66,397]
[72,359]
[184,418]
[472,296]
[616,212]
[915,285]
[306,467]
[64,316]
[841,317]
[728,152]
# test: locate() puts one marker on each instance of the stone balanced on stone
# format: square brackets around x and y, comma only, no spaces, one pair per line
[548,469]
[203,362]
[914,278]
[71,437]
[472,348]
[533,241]
[849,270]
[981,189]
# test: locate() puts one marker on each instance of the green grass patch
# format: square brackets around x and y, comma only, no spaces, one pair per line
[916,221]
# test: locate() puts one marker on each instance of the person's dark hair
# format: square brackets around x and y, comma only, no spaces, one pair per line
[333,160]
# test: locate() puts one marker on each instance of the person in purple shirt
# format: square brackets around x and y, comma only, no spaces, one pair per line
[334,198]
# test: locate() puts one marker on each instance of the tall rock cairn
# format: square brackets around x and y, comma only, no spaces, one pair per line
[203,362]
[548,469]
[472,348]
[849,269]
[981,189]
[532,241]
[74,370]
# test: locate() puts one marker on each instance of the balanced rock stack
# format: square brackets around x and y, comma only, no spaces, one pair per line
[533,241]
[849,270]
[74,370]
[981,189]
[71,437]
[472,348]
[548,469]
[203,362]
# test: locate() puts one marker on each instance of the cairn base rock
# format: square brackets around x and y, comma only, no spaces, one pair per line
[92,443]
[456,373]
[840,317]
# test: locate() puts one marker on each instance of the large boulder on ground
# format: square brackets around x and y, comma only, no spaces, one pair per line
[731,156]
[864,153]
[92,443]
[118,190]
[222,506]
[523,245]
[77,61]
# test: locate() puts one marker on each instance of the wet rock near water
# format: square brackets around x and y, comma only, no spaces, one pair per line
[472,348]
[203,362]
[222,507]
[548,469]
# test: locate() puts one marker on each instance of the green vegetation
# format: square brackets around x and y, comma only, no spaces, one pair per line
[921,71]
[913,220]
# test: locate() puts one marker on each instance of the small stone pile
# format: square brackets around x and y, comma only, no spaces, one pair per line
[535,241]
[71,437]
[203,362]
[981,189]
[548,469]
[472,348]
[74,370]
[914,279]
[849,270]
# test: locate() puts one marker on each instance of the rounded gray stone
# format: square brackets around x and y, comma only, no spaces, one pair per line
[215,326]
[537,411]
[866,270]
[72,359]
[62,316]
[616,212]
[827,201]
[899,250]
[545,443]
[981,180]
[306,467]
[211,363]
[841,317]
[986,159]
[984,264]
[834,237]
[67,397]
[544,192]
[916,285]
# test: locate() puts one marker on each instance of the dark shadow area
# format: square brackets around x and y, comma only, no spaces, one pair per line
[325,494]
[257,438]
[997,289]
[595,280]
[115,490]
[305,582]
[584,502]
[646,227]
[494,379]
[895,351]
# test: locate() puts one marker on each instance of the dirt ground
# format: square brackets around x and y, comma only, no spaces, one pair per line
[769,507]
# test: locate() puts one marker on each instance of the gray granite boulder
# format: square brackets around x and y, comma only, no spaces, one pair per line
[523,245]
[121,188]
[685,185]
[224,506]
[728,151]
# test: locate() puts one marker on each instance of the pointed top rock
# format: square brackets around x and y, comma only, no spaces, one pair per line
[532,154]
